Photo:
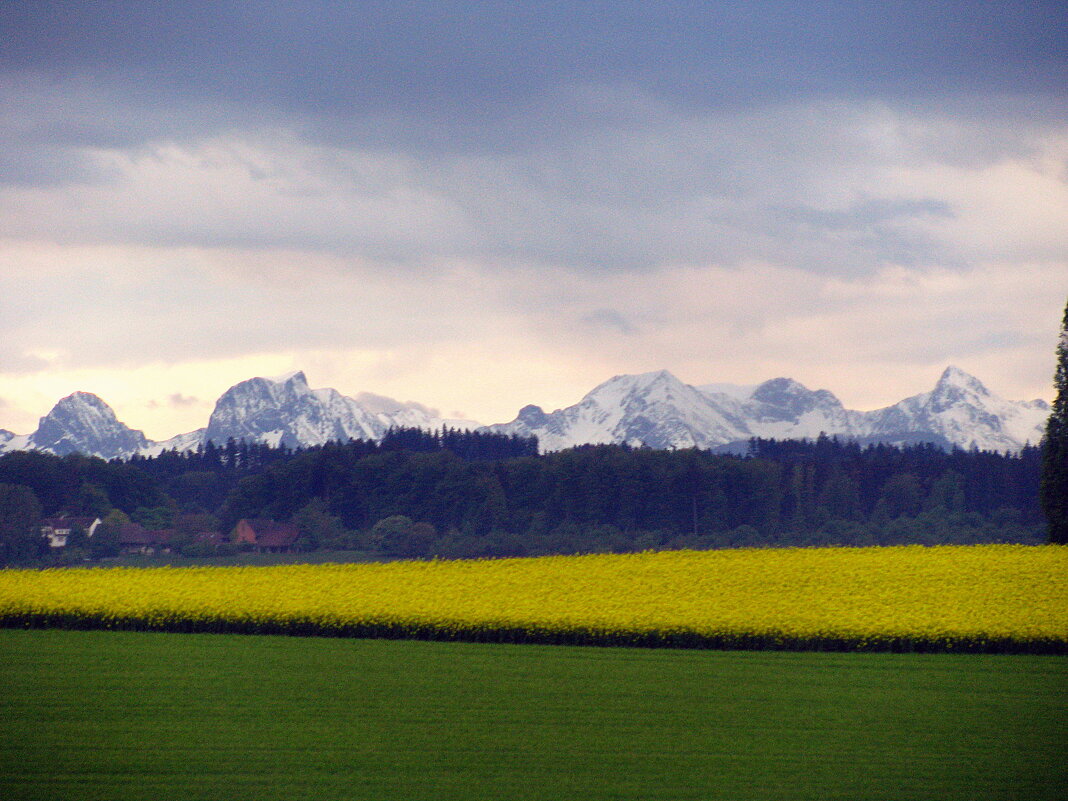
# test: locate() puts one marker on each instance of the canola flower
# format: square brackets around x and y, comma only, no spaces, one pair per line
[985,598]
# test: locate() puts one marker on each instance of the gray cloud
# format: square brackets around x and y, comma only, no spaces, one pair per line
[823,187]
[178,400]
[15,362]
[611,320]
[452,77]
[338,57]
[600,137]
[878,229]
[383,403]
[868,213]
[410,179]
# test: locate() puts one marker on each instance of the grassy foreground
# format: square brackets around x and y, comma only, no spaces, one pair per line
[126,715]
[952,598]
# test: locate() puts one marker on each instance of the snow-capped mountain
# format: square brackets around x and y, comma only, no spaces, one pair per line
[658,410]
[785,409]
[282,410]
[181,442]
[965,412]
[10,441]
[286,411]
[80,423]
[653,409]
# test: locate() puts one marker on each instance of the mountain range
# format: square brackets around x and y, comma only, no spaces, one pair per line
[660,411]
[653,409]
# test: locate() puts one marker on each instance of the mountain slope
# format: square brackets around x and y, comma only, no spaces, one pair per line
[654,409]
[961,409]
[658,410]
[785,409]
[80,423]
[286,411]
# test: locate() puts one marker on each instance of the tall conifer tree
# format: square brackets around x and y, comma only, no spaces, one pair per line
[1054,487]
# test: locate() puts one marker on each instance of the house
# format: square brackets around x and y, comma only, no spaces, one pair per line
[135,538]
[209,538]
[266,536]
[58,529]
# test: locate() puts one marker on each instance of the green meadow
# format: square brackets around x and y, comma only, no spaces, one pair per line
[125,715]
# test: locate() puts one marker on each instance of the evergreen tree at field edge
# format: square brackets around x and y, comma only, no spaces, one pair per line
[1054,484]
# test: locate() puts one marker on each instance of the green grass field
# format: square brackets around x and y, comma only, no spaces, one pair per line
[124,715]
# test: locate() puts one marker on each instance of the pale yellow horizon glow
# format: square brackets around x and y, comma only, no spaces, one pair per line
[140,396]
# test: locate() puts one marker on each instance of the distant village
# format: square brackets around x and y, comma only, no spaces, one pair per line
[263,536]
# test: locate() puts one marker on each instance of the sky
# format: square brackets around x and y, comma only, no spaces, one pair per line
[481,206]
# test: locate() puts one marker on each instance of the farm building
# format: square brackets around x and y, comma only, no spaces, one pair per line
[59,529]
[266,536]
[135,538]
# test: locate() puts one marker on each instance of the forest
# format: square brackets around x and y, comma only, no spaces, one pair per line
[453,494]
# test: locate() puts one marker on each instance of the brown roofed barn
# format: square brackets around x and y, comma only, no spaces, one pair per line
[266,535]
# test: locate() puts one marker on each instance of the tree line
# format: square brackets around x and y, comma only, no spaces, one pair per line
[472,494]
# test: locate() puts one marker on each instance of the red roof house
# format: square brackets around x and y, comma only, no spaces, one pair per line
[267,535]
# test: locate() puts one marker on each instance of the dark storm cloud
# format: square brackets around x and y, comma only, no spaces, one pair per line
[460,75]
[599,136]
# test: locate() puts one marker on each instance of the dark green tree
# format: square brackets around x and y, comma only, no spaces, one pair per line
[318,528]
[104,543]
[154,518]
[901,496]
[20,535]
[92,501]
[1054,482]
[390,532]
[105,540]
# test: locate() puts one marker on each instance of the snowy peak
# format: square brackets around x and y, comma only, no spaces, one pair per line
[779,388]
[659,410]
[642,389]
[286,411]
[953,376]
[789,400]
[955,387]
[965,413]
[280,410]
[10,441]
[654,409]
[293,375]
[181,442]
[83,423]
[783,408]
[532,416]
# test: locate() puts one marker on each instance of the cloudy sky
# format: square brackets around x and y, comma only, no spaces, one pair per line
[479,206]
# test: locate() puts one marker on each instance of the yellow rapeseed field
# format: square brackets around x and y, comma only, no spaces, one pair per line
[988,597]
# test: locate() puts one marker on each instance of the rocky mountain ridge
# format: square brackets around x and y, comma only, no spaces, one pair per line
[652,409]
[660,411]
